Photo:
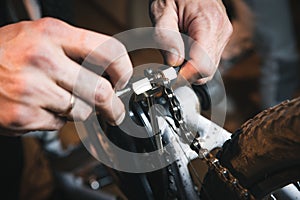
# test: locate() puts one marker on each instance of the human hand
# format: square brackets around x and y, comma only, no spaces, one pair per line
[205,21]
[39,74]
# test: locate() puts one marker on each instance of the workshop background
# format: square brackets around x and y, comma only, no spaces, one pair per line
[241,81]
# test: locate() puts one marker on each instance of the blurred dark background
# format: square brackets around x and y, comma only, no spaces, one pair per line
[241,80]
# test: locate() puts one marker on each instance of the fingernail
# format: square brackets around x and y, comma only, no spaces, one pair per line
[173,57]
[123,81]
[120,119]
[121,86]
[118,112]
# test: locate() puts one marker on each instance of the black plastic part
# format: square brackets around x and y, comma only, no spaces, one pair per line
[203,95]
[210,94]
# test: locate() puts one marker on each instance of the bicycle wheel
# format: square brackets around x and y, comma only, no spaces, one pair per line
[171,182]
[263,155]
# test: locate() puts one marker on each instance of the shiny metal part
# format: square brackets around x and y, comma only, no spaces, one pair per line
[208,135]
[154,123]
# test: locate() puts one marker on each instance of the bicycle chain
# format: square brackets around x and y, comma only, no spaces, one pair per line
[175,110]
[213,163]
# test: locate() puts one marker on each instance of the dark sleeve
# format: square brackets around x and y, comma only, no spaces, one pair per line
[12,11]
[229,8]
[3,14]
[58,9]
[11,159]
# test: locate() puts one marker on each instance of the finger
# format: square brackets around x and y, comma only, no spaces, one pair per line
[93,89]
[80,111]
[199,69]
[52,97]
[205,53]
[58,100]
[49,121]
[202,80]
[118,74]
[40,90]
[202,55]
[114,59]
[209,28]
[27,120]
[167,33]
[95,48]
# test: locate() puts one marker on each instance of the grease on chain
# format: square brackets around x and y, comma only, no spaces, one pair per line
[213,163]
[158,79]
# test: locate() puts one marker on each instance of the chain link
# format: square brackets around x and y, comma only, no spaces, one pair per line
[223,173]
[213,163]
[175,110]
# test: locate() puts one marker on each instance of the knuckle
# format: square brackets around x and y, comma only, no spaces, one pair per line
[56,123]
[104,93]
[203,69]
[23,25]
[31,88]
[118,49]
[158,7]
[207,71]
[38,56]
[19,87]
[18,84]
[35,53]
[219,18]
[218,15]
[18,117]
[81,111]
[108,50]
[48,26]
[228,29]
[222,20]
[85,114]
[64,102]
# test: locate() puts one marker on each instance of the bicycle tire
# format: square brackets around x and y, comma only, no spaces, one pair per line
[263,154]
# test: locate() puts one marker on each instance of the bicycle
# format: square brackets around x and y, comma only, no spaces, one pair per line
[242,169]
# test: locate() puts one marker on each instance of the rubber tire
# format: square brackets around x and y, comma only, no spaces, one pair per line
[264,154]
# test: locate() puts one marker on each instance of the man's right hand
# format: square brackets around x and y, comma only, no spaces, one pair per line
[39,73]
